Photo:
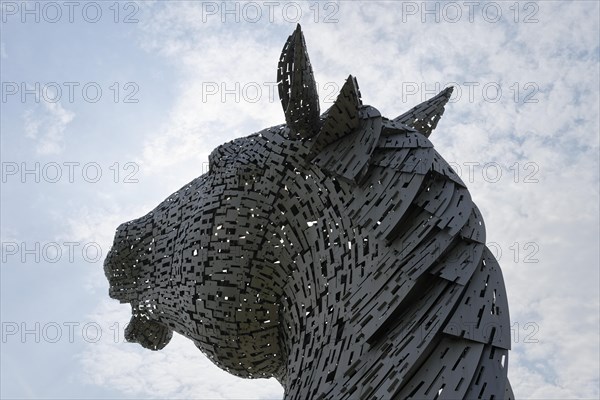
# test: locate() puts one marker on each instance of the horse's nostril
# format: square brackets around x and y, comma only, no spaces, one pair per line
[109,263]
[119,266]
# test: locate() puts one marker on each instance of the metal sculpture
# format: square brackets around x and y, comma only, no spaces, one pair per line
[338,253]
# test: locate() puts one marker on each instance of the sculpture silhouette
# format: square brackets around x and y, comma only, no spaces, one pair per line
[338,253]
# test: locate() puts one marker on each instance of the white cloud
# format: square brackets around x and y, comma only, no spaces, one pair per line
[46,125]
[180,370]
[558,295]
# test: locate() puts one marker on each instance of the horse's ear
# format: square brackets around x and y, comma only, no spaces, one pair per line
[342,118]
[424,117]
[348,135]
[297,88]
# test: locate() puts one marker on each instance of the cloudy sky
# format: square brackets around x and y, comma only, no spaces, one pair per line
[109,107]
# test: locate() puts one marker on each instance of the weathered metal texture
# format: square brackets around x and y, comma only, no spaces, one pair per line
[338,253]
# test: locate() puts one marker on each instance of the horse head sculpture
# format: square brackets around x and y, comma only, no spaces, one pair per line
[338,252]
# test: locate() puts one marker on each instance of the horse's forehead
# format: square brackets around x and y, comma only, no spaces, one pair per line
[247,155]
[237,147]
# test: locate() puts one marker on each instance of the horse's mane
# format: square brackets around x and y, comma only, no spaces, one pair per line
[434,296]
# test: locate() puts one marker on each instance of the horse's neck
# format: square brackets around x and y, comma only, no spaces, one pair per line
[339,313]
[326,317]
